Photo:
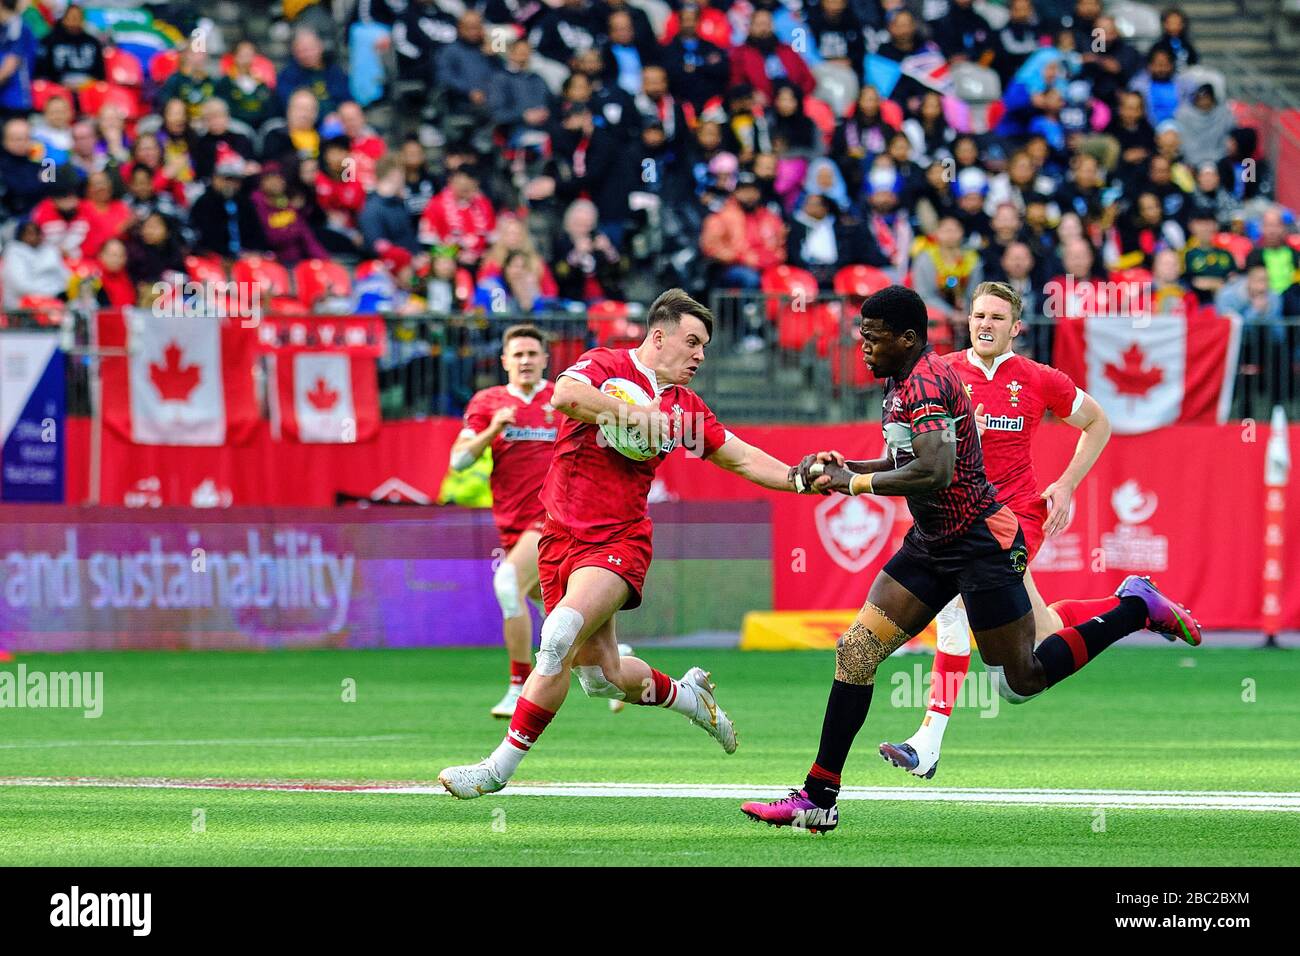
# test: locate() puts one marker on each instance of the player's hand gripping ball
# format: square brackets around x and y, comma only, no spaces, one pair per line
[629,435]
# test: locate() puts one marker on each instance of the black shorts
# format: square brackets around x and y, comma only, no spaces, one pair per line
[985,565]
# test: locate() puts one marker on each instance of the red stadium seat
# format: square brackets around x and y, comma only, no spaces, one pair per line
[287,305]
[49,309]
[320,278]
[45,90]
[940,331]
[1136,275]
[819,323]
[163,65]
[122,68]
[822,115]
[787,281]
[564,352]
[1239,246]
[792,305]
[205,269]
[262,68]
[270,275]
[367,268]
[855,283]
[94,95]
[997,110]
[847,368]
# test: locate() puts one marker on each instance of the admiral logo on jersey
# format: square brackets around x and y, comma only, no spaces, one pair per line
[1005,423]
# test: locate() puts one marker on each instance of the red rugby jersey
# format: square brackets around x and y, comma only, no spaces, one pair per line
[1015,393]
[521,454]
[594,491]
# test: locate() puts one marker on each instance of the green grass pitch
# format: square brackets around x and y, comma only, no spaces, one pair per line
[1166,718]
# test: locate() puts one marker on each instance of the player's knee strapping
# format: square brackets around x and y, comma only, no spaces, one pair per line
[869,640]
[559,632]
[505,582]
[594,684]
[953,629]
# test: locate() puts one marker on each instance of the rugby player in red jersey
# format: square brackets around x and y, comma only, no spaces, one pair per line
[519,423]
[963,541]
[596,544]
[1011,394]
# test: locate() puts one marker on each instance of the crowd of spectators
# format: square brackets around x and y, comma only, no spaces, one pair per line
[533,155]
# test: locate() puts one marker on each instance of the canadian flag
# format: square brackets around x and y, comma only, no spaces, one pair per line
[176,380]
[1151,371]
[324,395]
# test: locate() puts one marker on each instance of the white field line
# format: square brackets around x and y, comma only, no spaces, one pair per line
[1259,801]
[215,742]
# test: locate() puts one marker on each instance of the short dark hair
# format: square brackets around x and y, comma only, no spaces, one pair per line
[668,309]
[899,309]
[524,331]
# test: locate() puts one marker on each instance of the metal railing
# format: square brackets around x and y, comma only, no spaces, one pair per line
[772,359]
[776,358]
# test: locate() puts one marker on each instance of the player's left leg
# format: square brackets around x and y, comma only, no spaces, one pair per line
[603,672]
[513,581]
[1022,670]
[901,603]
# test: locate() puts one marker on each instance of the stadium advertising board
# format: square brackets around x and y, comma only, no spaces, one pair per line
[73,578]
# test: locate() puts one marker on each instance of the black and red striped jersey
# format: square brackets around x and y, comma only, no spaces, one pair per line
[931,398]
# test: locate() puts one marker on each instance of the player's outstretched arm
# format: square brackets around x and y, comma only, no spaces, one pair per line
[1090,418]
[754,464]
[931,470]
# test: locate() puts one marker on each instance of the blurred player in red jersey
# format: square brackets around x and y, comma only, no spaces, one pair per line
[596,544]
[1011,395]
[963,541]
[519,422]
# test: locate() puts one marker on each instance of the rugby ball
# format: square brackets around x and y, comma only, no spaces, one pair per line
[619,435]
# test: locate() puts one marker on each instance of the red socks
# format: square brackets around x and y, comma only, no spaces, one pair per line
[1074,613]
[519,671]
[945,681]
[665,691]
[527,724]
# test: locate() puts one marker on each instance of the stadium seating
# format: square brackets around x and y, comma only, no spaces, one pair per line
[44,90]
[271,276]
[858,282]
[205,269]
[320,278]
[122,69]
[163,65]
[94,95]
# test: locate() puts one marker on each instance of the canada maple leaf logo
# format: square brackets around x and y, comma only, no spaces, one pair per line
[322,397]
[174,381]
[1132,378]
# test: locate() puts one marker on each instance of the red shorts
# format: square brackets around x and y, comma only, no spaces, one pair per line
[560,554]
[510,536]
[1031,513]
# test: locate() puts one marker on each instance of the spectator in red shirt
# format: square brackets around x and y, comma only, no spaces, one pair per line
[762,60]
[364,144]
[109,217]
[711,24]
[64,217]
[116,290]
[744,237]
[340,196]
[460,215]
